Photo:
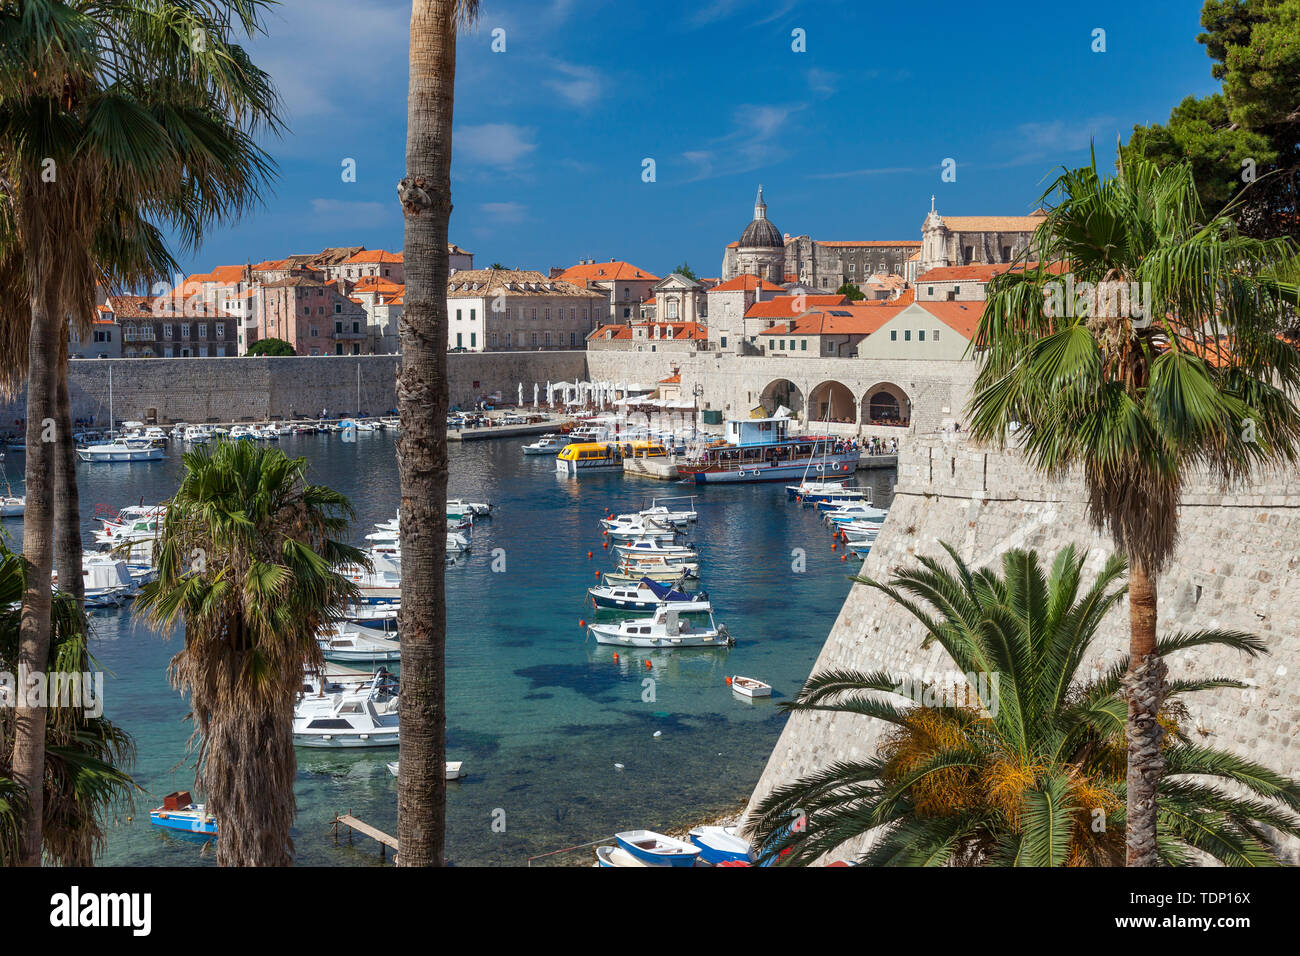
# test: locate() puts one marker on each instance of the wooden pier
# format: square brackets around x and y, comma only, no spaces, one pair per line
[365,829]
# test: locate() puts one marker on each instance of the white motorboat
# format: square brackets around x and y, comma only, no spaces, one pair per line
[353,643]
[106,580]
[178,430]
[548,444]
[452,769]
[750,687]
[664,630]
[857,511]
[860,531]
[675,574]
[650,547]
[197,435]
[242,433]
[122,449]
[647,528]
[459,507]
[12,506]
[362,718]
[155,434]
[648,595]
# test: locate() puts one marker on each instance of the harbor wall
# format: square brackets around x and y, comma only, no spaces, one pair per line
[264,388]
[1237,566]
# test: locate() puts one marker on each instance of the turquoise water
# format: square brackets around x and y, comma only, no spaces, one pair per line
[538,712]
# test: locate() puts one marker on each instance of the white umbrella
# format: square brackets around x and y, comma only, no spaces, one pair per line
[550,393]
[521,393]
[534,394]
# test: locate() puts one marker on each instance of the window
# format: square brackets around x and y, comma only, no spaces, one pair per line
[312,331]
[929,290]
[936,335]
[356,327]
[970,254]
[803,345]
[548,315]
[338,306]
[492,338]
[534,315]
[573,315]
[321,310]
[907,335]
[473,340]
[306,310]
[893,335]
[338,328]
[830,347]
[723,341]
[781,347]
[584,315]
[167,331]
[185,331]
[920,335]
[534,338]
[1006,253]
[221,330]
[472,314]
[203,330]
[573,339]
[203,351]
[459,344]
[548,338]
[508,339]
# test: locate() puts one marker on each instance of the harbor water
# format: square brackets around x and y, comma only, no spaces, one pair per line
[557,734]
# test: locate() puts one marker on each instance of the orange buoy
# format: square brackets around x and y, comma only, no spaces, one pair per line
[727,679]
[844,557]
[605,532]
[648,665]
[834,546]
[597,574]
[616,655]
[582,623]
[588,554]
[606,544]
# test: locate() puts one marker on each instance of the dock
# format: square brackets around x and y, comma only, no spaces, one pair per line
[365,829]
[506,431]
[661,469]
[877,462]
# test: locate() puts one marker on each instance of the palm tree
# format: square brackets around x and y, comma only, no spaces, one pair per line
[86,754]
[1018,759]
[144,108]
[248,558]
[425,194]
[1139,345]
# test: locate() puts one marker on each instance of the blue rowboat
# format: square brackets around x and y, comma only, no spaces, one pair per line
[657,849]
[190,819]
[721,844]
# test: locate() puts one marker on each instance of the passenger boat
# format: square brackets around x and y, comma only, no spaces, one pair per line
[122,449]
[664,629]
[354,643]
[750,687]
[579,457]
[362,718]
[657,849]
[452,769]
[762,449]
[547,445]
[722,845]
[649,595]
[180,812]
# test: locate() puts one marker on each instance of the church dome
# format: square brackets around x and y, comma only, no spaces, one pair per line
[760,233]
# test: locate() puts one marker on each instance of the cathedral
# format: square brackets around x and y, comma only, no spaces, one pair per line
[764,251]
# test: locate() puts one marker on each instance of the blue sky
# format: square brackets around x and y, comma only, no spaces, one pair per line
[847,137]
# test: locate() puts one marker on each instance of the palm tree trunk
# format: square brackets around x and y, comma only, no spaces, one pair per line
[38,527]
[422,446]
[67,522]
[1145,687]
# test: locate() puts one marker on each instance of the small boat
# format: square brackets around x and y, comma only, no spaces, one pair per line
[122,449]
[648,595]
[656,849]
[459,506]
[107,580]
[816,492]
[156,435]
[675,574]
[648,547]
[664,629]
[197,435]
[354,643]
[453,769]
[549,444]
[180,812]
[722,845]
[611,856]
[242,433]
[178,431]
[362,718]
[750,687]
[12,506]
[660,515]
[646,529]
[855,512]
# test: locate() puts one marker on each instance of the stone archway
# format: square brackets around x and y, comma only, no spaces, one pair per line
[832,401]
[782,392]
[886,404]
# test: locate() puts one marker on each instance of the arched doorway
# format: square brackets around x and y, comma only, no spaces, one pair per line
[886,404]
[782,392]
[832,402]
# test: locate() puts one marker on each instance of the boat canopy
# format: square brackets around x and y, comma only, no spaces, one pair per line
[757,431]
[665,592]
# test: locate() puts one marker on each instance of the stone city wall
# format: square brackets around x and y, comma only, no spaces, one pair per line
[1237,566]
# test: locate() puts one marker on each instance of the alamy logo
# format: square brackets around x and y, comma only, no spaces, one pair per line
[1070,299]
[954,689]
[76,909]
[36,689]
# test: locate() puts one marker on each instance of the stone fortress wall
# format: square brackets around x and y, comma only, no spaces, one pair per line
[263,388]
[1237,566]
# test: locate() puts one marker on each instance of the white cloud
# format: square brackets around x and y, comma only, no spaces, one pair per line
[580,85]
[822,82]
[493,144]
